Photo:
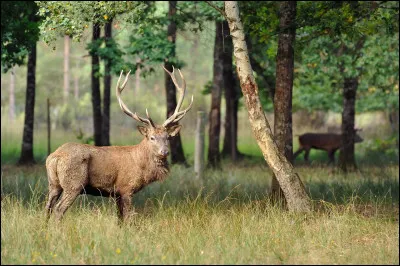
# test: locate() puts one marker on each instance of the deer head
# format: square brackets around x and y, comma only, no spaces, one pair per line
[158,135]
[357,137]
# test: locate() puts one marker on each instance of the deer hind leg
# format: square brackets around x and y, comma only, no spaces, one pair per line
[54,195]
[300,150]
[66,201]
[73,178]
[306,154]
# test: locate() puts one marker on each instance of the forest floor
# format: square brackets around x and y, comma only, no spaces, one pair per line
[225,219]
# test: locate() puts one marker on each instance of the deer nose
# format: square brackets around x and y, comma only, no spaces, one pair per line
[164,152]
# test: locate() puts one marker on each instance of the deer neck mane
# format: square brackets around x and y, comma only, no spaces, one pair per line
[159,165]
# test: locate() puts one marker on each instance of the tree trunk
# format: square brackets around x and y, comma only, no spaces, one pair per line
[27,139]
[231,98]
[177,155]
[11,103]
[284,87]
[394,125]
[107,89]
[66,68]
[96,98]
[289,181]
[346,157]
[215,112]
[199,145]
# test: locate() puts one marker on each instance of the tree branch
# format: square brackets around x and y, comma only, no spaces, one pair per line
[217,8]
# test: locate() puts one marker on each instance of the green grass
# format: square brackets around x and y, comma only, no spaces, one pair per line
[226,219]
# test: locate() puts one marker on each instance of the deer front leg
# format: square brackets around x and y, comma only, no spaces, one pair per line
[331,154]
[124,203]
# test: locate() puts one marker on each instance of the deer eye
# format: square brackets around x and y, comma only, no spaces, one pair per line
[152,138]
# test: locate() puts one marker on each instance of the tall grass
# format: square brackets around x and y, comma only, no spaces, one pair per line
[225,219]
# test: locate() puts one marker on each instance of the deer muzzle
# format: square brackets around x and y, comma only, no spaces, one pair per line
[163,152]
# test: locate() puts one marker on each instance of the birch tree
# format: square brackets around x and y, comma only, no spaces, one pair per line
[292,187]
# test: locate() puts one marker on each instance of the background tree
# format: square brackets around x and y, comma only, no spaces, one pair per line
[284,85]
[232,95]
[293,188]
[96,97]
[72,18]
[19,34]
[107,87]
[177,155]
[340,44]
[216,92]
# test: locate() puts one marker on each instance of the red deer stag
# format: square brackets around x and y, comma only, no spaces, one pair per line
[329,142]
[116,171]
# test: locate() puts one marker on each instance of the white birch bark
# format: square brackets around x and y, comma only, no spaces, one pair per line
[293,188]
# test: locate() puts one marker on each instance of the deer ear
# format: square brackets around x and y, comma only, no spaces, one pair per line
[142,130]
[174,130]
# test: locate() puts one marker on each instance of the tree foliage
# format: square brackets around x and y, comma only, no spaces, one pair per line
[323,28]
[74,17]
[19,30]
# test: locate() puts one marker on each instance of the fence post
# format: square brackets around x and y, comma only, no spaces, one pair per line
[199,146]
[48,127]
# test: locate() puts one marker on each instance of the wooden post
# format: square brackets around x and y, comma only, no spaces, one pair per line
[48,127]
[199,145]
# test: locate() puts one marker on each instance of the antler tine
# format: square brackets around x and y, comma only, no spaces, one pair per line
[149,119]
[124,107]
[178,115]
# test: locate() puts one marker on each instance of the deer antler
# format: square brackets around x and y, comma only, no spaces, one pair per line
[177,115]
[119,89]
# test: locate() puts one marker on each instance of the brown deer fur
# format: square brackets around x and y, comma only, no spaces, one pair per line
[116,171]
[329,142]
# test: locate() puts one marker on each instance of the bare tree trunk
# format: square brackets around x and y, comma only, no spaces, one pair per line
[27,139]
[199,145]
[107,89]
[346,157]
[284,86]
[289,181]
[394,125]
[177,155]
[96,98]
[11,103]
[66,68]
[76,81]
[231,98]
[215,112]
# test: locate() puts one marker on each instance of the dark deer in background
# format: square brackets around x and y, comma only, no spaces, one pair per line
[117,171]
[329,142]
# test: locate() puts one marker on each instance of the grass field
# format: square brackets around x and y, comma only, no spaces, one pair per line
[225,219]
